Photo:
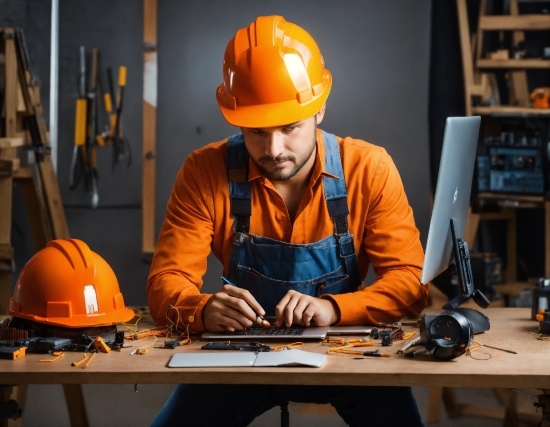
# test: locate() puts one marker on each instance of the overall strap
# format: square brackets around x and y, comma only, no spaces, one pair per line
[335,189]
[239,187]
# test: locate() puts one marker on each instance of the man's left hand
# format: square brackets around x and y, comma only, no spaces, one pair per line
[301,309]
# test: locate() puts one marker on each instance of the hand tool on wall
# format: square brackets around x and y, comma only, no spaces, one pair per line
[121,146]
[108,99]
[91,167]
[77,160]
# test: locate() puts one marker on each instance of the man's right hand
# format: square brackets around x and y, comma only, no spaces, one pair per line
[231,309]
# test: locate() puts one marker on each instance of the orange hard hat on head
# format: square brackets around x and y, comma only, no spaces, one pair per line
[273,74]
[66,284]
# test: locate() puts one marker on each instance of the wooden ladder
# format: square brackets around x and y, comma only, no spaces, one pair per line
[25,160]
[25,133]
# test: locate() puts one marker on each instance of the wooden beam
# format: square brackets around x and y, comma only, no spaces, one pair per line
[8,167]
[149,126]
[74,397]
[7,154]
[514,23]
[11,142]
[514,63]
[466,51]
[519,93]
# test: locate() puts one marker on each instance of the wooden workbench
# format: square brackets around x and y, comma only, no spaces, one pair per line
[510,328]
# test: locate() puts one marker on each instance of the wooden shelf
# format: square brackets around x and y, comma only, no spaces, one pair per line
[514,23]
[518,201]
[507,196]
[506,110]
[514,289]
[514,63]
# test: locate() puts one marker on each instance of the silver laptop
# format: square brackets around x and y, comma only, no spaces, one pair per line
[295,332]
[272,332]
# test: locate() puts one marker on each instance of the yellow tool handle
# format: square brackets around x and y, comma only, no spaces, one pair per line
[112,118]
[122,76]
[89,360]
[80,122]
[78,362]
[107,102]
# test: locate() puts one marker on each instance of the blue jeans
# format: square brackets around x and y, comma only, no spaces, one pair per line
[237,405]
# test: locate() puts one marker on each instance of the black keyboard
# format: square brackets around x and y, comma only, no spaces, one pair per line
[271,331]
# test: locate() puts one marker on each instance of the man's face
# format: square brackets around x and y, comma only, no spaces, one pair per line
[283,152]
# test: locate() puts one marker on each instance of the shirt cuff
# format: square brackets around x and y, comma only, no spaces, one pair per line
[191,315]
[349,312]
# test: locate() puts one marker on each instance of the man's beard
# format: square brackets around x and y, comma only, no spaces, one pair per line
[279,174]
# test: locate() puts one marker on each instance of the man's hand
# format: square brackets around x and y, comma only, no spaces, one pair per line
[302,309]
[231,309]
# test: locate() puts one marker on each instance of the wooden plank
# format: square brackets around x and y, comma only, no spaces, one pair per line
[24,172]
[466,53]
[52,195]
[9,154]
[479,34]
[507,110]
[482,411]
[513,63]
[516,197]
[511,23]
[8,167]
[519,92]
[11,142]
[434,404]
[149,126]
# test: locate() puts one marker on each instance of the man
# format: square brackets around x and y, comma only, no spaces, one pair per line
[296,216]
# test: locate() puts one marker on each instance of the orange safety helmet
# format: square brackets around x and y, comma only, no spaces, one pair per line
[66,284]
[540,97]
[273,75]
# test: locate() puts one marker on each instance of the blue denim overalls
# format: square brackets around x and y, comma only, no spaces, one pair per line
[269,268]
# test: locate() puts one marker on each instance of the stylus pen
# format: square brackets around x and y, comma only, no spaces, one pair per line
[259,319]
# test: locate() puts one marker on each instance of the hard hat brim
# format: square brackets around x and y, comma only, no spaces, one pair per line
[271,115]
[77,321]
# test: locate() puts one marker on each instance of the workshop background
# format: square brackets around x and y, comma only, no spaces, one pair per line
[378,53]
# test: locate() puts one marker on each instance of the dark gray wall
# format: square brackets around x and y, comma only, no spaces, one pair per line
[377,52]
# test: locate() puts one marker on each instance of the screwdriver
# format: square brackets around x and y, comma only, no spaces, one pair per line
[260,319]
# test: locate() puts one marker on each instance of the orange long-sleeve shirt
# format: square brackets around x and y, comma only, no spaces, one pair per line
[198,221]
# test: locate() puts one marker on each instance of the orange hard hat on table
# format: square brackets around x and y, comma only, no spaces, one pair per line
[273,74]
[68,285]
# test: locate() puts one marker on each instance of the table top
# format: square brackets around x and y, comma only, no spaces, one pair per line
[511,328]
